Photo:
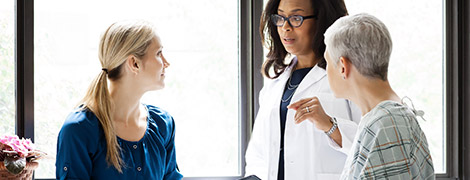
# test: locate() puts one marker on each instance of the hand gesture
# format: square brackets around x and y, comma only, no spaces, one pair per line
[310,109]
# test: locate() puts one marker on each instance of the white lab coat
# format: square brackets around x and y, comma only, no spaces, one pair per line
[308,152]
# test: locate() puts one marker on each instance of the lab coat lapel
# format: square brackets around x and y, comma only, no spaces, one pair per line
[312,77]
[274,127]
[276,95]
[305,90]
[279,88]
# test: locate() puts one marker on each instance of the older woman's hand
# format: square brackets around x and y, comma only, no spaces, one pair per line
[311,109]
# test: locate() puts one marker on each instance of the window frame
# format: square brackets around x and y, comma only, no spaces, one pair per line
[457,87]
[456,27]
[24,68]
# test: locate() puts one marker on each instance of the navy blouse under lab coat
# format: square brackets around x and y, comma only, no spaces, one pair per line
[81,149]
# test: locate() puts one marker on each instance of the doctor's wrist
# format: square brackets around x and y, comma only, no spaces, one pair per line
[325,124]
[333,127]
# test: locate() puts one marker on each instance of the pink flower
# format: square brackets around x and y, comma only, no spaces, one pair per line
[8,139]
[15,151]
[21,146]
[28,144]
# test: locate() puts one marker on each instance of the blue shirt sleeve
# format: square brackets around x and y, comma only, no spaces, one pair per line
[172,171]
[77,141]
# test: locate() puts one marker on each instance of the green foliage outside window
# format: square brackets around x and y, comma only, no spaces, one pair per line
[7,77]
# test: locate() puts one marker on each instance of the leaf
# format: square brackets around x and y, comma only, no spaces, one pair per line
[35,155]
[15,165]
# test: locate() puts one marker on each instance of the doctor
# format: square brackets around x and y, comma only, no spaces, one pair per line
[307,141]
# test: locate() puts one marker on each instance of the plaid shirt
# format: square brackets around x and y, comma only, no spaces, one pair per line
[389,145]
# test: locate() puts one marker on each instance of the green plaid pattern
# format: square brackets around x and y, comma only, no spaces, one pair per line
[389,145]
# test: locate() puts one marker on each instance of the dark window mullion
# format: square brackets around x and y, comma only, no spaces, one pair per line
[24,68]
[251,58]
[258,55]
[464,59]
[245,71]
[450,95]
[457,46]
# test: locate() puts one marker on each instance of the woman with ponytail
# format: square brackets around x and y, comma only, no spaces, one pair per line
[111,135]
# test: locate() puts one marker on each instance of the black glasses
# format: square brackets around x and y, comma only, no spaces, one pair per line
[295,20]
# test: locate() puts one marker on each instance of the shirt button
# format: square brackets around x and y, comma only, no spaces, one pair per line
[135,146]
[292,162]
[139,169]
[65,168]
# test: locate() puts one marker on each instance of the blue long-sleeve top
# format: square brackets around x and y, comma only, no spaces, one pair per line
[81,149]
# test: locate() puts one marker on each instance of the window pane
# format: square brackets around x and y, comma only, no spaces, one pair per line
[201,84]
[416,65]
[7,67]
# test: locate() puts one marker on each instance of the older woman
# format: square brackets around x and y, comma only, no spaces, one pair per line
[112,135]
[389,142]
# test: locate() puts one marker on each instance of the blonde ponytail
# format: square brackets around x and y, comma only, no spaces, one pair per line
[118,42]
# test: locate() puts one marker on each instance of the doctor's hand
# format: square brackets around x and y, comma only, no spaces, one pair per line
[311,109]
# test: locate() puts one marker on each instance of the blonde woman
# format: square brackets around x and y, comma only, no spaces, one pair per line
[112,135]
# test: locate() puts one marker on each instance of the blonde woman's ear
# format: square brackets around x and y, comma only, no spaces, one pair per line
[132,64]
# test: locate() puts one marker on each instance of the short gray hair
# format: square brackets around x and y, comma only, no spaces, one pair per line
[364,40]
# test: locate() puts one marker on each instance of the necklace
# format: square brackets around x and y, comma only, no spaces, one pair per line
[291,87]
[288,98]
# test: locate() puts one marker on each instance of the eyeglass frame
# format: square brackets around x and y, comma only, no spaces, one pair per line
[288,19]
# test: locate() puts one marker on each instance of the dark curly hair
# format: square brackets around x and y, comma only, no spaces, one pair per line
[326,11]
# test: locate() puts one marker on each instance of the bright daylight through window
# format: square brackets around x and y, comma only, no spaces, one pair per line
[7,67]
[201,90]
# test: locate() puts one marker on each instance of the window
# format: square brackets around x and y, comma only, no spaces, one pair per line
[200,40]
[7,67]
[416,66]
[65,60]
